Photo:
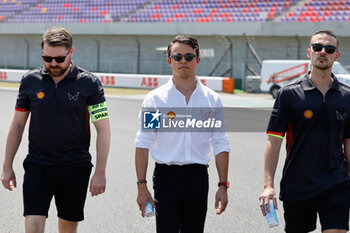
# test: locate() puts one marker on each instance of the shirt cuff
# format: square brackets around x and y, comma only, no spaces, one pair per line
[275,134]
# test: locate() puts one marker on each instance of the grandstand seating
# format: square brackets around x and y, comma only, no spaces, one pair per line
[210,11]
[104,11]
[77,11]
[320,11]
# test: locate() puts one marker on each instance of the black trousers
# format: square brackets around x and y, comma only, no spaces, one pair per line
[181,196]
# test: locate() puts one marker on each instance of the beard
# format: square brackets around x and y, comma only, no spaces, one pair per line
[56,71]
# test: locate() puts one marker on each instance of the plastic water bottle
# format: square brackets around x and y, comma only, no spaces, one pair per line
[271,217]
[149,210]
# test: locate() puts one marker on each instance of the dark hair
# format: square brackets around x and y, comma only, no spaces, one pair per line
[183,39]
[327,32]
[57,37]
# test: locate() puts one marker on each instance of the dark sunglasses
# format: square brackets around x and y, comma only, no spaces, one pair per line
[178,57]
[60,59]
[328,48]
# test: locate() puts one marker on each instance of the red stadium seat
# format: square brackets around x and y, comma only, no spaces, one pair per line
[197,11]
[204,19]
[212,14]
[156,16]
[67,5]
[301,19]
[225,15]
[180,15]
[271,15]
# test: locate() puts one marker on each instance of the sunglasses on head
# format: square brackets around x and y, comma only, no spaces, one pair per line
[187,56]
[60,59]
[328,48]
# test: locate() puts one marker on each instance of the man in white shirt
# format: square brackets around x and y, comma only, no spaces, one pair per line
[180,178]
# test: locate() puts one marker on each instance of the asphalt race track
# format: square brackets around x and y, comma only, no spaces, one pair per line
[116,210]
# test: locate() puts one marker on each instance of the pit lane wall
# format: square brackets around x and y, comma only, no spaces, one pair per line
[141,81]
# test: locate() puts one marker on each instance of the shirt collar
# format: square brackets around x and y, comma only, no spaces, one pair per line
[171,85]
[308,85]
[72,74]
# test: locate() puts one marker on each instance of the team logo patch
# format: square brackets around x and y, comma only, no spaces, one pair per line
[308,114]
[340,116]
[40,95]
[171,115]
[151,120]
[73,97]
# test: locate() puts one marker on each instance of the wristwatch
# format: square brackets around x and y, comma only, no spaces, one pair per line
[224,183]
[141,181]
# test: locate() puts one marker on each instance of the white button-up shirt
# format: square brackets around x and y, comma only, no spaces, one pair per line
[180,148]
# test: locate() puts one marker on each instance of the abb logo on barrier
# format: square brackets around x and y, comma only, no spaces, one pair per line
[107,80]
[149,82]
[3,75]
